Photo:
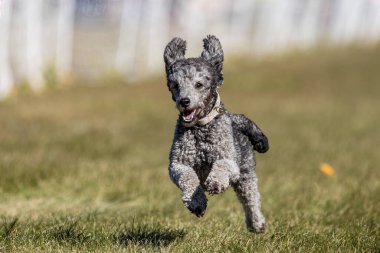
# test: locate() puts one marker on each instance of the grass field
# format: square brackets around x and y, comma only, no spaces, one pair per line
[85,169]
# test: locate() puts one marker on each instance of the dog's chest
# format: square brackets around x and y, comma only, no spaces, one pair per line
[213,142]
[206,146]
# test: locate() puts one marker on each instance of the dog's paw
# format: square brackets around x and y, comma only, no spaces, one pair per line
[215,185]
[198,203]
[256,224]
[258,228]
[261,145]
[197,210]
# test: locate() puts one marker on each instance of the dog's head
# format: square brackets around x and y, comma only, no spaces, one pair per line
[193,81]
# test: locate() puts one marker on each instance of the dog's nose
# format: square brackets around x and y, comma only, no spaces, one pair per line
[185,102]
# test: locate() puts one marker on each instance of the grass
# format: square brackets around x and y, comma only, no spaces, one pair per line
[85,169]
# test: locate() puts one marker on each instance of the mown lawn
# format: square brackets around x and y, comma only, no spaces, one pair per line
[85,169]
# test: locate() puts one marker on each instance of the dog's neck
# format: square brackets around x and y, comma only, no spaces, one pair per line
[214,110]
[210,102]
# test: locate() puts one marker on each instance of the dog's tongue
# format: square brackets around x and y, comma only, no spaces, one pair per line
[188,115]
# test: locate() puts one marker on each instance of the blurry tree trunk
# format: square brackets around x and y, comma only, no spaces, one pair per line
[6,78]
[34,44]
[65,32]
[126,54]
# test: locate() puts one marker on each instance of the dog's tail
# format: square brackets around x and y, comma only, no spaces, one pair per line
[252,131]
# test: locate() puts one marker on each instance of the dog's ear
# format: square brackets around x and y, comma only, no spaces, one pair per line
[174,51]
[213,53]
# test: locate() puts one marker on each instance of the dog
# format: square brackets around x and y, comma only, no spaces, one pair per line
[212,149]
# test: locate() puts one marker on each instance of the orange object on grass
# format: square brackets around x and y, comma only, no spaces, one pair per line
[326,169]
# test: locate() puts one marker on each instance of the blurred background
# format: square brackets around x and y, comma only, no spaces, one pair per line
[95,38]
[86,124]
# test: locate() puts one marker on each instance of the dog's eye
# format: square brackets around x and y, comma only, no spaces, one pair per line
[198,85]
[175,85]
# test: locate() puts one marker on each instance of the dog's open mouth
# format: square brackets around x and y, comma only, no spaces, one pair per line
[190,115]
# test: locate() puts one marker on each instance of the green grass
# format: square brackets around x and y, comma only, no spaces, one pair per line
[85,169]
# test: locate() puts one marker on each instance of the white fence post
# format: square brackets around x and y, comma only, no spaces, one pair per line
[308,34]
[65,36]
[34,58]
[158,31]
[347,18]
[126,54]
[6,77]
[240,32]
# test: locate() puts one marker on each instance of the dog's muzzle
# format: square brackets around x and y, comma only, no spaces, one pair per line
[188,117]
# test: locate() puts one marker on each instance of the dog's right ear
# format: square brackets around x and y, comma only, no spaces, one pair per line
[174,51]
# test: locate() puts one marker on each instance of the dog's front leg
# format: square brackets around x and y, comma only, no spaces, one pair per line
[223,172]
[187,180]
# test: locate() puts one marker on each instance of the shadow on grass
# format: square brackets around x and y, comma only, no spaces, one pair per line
[70,234]
[6,228]
[75,234]
[144,235]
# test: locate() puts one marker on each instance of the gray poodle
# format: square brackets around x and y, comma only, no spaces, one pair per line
[212,148]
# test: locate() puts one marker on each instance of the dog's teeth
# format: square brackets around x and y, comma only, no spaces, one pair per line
[188,115]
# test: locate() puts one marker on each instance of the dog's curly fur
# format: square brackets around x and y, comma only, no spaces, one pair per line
[214,156]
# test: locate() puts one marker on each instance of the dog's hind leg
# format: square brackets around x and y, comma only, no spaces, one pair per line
[246,189]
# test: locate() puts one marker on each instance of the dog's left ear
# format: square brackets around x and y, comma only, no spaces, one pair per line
[213,53]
